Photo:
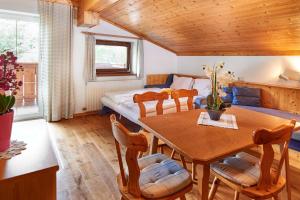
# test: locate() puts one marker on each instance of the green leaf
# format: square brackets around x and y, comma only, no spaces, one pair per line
[6,103]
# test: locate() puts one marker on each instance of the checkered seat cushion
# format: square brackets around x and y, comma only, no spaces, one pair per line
[161,176]
[242,169]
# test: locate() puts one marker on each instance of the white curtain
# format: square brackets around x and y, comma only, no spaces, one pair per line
[55,75]
[90,70]
[138,59]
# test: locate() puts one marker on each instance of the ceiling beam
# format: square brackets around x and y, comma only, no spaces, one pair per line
[88,11]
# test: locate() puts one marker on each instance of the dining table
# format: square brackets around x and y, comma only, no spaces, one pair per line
[203,144]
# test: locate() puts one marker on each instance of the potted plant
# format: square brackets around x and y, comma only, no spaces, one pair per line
[215,106]
[9,85]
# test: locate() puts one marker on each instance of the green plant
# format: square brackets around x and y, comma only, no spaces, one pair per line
[214,100]
[9,83]
[6,103]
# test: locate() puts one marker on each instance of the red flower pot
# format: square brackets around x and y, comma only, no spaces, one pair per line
[6,121]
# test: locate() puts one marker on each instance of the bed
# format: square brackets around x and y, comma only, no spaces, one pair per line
[122,103]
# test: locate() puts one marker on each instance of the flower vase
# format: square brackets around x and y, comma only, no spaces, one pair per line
[6,121]
[215,114]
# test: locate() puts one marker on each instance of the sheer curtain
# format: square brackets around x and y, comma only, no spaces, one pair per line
[138,59]
[90,70]
[55,75]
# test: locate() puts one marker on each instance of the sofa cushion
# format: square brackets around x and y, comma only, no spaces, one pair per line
[246,101]
[246,91]
[295,141]
[246,96]
[229,96]
[182,83]
[203,86]
[161,176]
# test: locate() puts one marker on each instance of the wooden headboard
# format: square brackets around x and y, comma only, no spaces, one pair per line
[153,79]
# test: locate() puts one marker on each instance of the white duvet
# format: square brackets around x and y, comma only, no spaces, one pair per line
[125,98]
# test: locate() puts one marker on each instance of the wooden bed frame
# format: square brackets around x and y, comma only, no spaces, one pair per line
[283,97]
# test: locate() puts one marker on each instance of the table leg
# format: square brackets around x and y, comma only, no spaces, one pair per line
[154,144]
[286,173]
[203,172]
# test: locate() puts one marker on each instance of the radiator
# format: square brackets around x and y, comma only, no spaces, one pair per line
[96,90]
[93,97]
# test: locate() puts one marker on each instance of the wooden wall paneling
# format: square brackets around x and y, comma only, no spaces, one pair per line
[153,79]
[212,27]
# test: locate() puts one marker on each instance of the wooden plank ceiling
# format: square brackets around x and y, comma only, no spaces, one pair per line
[211,27]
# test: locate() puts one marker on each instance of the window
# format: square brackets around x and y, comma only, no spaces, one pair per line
[21,37]
[113,58]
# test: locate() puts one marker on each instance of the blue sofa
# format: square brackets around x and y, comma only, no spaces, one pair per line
[295,141]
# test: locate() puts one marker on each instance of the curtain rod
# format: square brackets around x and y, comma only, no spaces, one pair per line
[108,35]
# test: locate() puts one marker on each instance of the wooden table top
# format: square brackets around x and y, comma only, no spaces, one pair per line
[206,144]
[37,157]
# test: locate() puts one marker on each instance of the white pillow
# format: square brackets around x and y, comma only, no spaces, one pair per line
[203,86]
[182,83]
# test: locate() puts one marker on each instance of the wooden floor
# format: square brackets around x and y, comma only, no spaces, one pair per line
[88,162]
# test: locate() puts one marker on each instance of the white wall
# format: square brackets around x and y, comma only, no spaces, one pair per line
[156,60]
[248,68]
[29,6]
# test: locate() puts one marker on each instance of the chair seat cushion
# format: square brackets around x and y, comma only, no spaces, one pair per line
[161,176]
[242,169]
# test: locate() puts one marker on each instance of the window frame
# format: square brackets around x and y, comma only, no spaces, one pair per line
[112,71]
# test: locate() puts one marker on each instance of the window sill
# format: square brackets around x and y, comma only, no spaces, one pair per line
[117,78]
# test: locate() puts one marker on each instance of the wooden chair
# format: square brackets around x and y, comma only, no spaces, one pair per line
[189,94]
[140,99]
[151,177]
[246,174]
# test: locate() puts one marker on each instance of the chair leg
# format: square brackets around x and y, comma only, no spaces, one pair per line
[214,188]
[194,172]
[162,149]
[183,161]
[276,197]
[173,153]
[140,155]
[182,198]
[236,195]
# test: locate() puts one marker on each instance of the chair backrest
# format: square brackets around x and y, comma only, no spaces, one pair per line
[177,94]
[151,96]
[281,136]
[134,143]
